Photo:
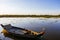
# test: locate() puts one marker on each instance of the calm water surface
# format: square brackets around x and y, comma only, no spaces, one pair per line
[52,26]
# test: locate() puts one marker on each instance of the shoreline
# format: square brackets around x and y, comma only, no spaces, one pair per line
[45,16]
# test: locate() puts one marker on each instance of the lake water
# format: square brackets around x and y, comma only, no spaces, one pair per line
[51,25]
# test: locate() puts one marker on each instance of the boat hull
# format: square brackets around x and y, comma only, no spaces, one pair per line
[18,36]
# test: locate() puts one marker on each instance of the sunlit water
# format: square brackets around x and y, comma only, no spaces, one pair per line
[52,26]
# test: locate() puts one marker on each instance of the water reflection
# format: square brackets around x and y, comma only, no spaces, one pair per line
[52,26]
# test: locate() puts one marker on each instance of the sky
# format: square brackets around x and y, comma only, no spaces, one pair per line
[30,7]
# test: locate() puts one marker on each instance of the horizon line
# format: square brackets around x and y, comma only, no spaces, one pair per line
[45,16]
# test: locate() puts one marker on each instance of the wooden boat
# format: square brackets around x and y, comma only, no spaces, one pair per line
[9,30]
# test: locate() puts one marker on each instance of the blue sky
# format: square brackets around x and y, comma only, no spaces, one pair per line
[30,7]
